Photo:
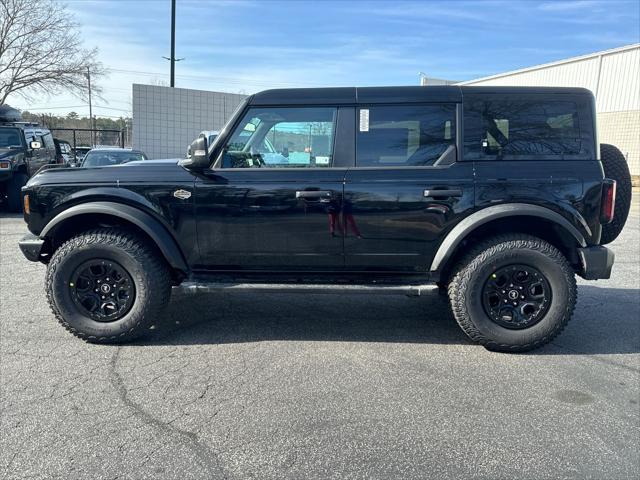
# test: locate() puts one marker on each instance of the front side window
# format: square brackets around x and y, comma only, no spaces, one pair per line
[515,128]
[404,136]
[282,137]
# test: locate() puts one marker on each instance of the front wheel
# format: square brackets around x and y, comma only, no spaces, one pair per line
[107,285]
[513,293]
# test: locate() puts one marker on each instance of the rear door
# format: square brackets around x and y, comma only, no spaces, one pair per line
[273,198]
[407,189]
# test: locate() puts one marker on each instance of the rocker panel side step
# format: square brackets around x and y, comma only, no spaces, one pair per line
[310,288]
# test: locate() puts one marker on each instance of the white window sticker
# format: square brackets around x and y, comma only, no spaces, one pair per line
[364,120]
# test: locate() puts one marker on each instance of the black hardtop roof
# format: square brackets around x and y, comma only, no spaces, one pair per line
[408,94]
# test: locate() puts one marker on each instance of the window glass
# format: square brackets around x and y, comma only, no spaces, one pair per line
[512,128]
[282,137]
[403,136]
[105,158]
[48,141]
[10,138]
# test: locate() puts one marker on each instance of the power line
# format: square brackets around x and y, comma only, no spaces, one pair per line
[209,78]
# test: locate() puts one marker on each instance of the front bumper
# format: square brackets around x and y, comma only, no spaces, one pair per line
[31,246]
[597,262]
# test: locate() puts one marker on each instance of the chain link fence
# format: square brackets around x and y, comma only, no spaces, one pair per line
[89,137]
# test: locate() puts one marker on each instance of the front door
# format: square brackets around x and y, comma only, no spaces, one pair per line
[273,198]
[407,189]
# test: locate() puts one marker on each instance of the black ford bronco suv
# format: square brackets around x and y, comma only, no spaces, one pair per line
[499,196]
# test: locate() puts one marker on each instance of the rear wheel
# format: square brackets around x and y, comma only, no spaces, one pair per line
[14,191]
[107,285]
[513,293]
[615,167]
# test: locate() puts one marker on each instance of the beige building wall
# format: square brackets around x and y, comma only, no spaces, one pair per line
[622,129]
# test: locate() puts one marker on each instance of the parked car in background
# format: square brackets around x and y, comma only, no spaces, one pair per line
[79,153]
[210,135]
[24,149]
[64,152]
[107,156]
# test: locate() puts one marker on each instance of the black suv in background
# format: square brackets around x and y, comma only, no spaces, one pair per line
[499,196]
[24,148]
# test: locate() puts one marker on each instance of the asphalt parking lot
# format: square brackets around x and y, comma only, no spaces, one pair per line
[288,386]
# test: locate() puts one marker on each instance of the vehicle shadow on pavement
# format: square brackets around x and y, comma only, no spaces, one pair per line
[5,214]
[605,320]
[244,317]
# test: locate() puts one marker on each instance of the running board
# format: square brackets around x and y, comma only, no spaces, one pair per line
[191,288]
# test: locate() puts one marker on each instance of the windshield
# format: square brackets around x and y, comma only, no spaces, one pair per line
[10,137]
[105,158]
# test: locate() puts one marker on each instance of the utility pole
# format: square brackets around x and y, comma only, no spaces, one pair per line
[173,43]
[93,139]
[172,58]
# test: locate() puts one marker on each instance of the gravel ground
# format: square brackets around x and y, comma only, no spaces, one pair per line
[290,386]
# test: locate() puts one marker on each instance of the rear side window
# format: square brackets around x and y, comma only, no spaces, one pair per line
[533,128]
[48,140]
[404,136]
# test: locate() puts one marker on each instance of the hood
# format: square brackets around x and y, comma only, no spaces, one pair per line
[144,171]
[7,153]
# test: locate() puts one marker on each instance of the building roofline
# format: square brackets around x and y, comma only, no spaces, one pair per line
[553,64]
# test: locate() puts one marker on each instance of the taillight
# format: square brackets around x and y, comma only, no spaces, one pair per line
[608,202]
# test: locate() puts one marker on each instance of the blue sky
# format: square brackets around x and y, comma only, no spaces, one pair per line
[246,45]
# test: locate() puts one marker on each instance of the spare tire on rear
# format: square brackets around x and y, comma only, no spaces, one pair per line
[616,168]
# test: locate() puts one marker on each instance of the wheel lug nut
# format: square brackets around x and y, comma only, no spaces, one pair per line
[505,301]
[522,297]
[96,289]
[515,304]
[102,296]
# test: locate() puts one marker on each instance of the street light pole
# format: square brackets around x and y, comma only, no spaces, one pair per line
[173,43]
[90,110]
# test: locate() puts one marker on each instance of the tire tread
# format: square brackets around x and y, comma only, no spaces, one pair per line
[480,254]
[156,270]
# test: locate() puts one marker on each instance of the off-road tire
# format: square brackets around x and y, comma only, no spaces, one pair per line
[615,167]
[470,274]
[14,191]
[145,266]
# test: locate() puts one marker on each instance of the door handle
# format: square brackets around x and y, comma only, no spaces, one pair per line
[314,194]
[445,192]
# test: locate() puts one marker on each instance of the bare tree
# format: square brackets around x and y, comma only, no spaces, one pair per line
[41,51]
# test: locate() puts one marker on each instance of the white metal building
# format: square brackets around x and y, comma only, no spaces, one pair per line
[614,78]
[166,120]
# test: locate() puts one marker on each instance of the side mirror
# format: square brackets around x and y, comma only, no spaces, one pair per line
[199,159]
[35,145]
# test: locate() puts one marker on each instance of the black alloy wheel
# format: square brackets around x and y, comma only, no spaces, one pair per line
[102,290]
[516,296]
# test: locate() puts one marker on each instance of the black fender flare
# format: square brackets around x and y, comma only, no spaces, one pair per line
[151,226]
[486,215]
